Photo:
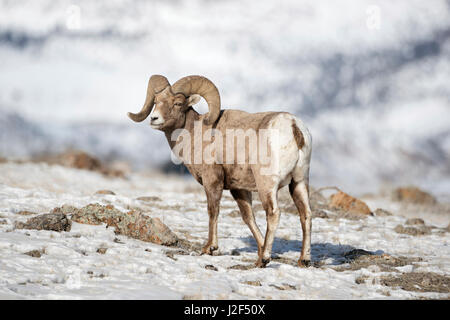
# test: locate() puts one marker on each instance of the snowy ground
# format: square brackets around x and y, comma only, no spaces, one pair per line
[71,268]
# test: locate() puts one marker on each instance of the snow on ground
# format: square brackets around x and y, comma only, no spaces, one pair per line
[71,268]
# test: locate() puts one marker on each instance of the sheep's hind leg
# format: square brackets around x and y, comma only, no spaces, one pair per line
[244,201]
[270,204]
[300,195]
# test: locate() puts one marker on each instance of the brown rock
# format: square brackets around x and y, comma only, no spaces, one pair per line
[80,160]
[413,231]
[102,250]
[149,199]
[35,253]
[105,192]
[345,202]
[382,213]
[413,195]
[49,221]
[211,267]
[25,213]
[133,223]
[415,221]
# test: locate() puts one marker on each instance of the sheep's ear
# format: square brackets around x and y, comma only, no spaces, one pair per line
[193,99]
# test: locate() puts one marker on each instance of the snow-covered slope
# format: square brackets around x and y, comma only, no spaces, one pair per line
[370,78]
[71,268]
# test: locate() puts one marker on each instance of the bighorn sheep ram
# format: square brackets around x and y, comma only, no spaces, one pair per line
[173,112]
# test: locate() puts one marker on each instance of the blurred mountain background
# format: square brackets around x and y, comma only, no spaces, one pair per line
[371,79]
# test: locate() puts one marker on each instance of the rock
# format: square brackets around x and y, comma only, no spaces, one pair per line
[102,250]
[49,221]
[132,223]
[356,253]
[235,252]
[253,283]
[284,286]
[211,267]
[3,221]
[149,199]
[319,214]
[415,221]
[382,213]
[25,213]
[35,253]
[418,231]
[347,203]
[413,195]
[105,192]
[80,160]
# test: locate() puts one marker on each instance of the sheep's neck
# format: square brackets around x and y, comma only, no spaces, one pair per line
[191,117]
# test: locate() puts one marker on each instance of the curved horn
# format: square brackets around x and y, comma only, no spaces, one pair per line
[204,87]
[156,84]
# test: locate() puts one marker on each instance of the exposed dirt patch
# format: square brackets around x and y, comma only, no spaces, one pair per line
[242,267]
[358,258]
[418,282]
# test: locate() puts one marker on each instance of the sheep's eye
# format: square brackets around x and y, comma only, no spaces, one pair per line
[178,104]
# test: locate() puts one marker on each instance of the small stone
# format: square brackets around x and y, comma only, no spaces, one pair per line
[105,192]
[235,252]
[382,213]
[149,199]
[35,253]
[253,283]
[413,231]
[415,221]
[211,267]
[319,214]
[25,213]
[102,250]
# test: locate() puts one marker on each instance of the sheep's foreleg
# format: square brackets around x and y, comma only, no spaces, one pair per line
[213,196]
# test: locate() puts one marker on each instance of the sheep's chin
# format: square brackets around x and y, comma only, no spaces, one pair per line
[156,125]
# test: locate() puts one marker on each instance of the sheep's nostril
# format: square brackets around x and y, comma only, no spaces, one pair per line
[154,118]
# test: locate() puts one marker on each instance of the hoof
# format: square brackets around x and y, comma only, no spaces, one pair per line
[304,263]
[209,249]
[261,263]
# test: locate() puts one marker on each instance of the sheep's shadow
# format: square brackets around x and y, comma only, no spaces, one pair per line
[338,253]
